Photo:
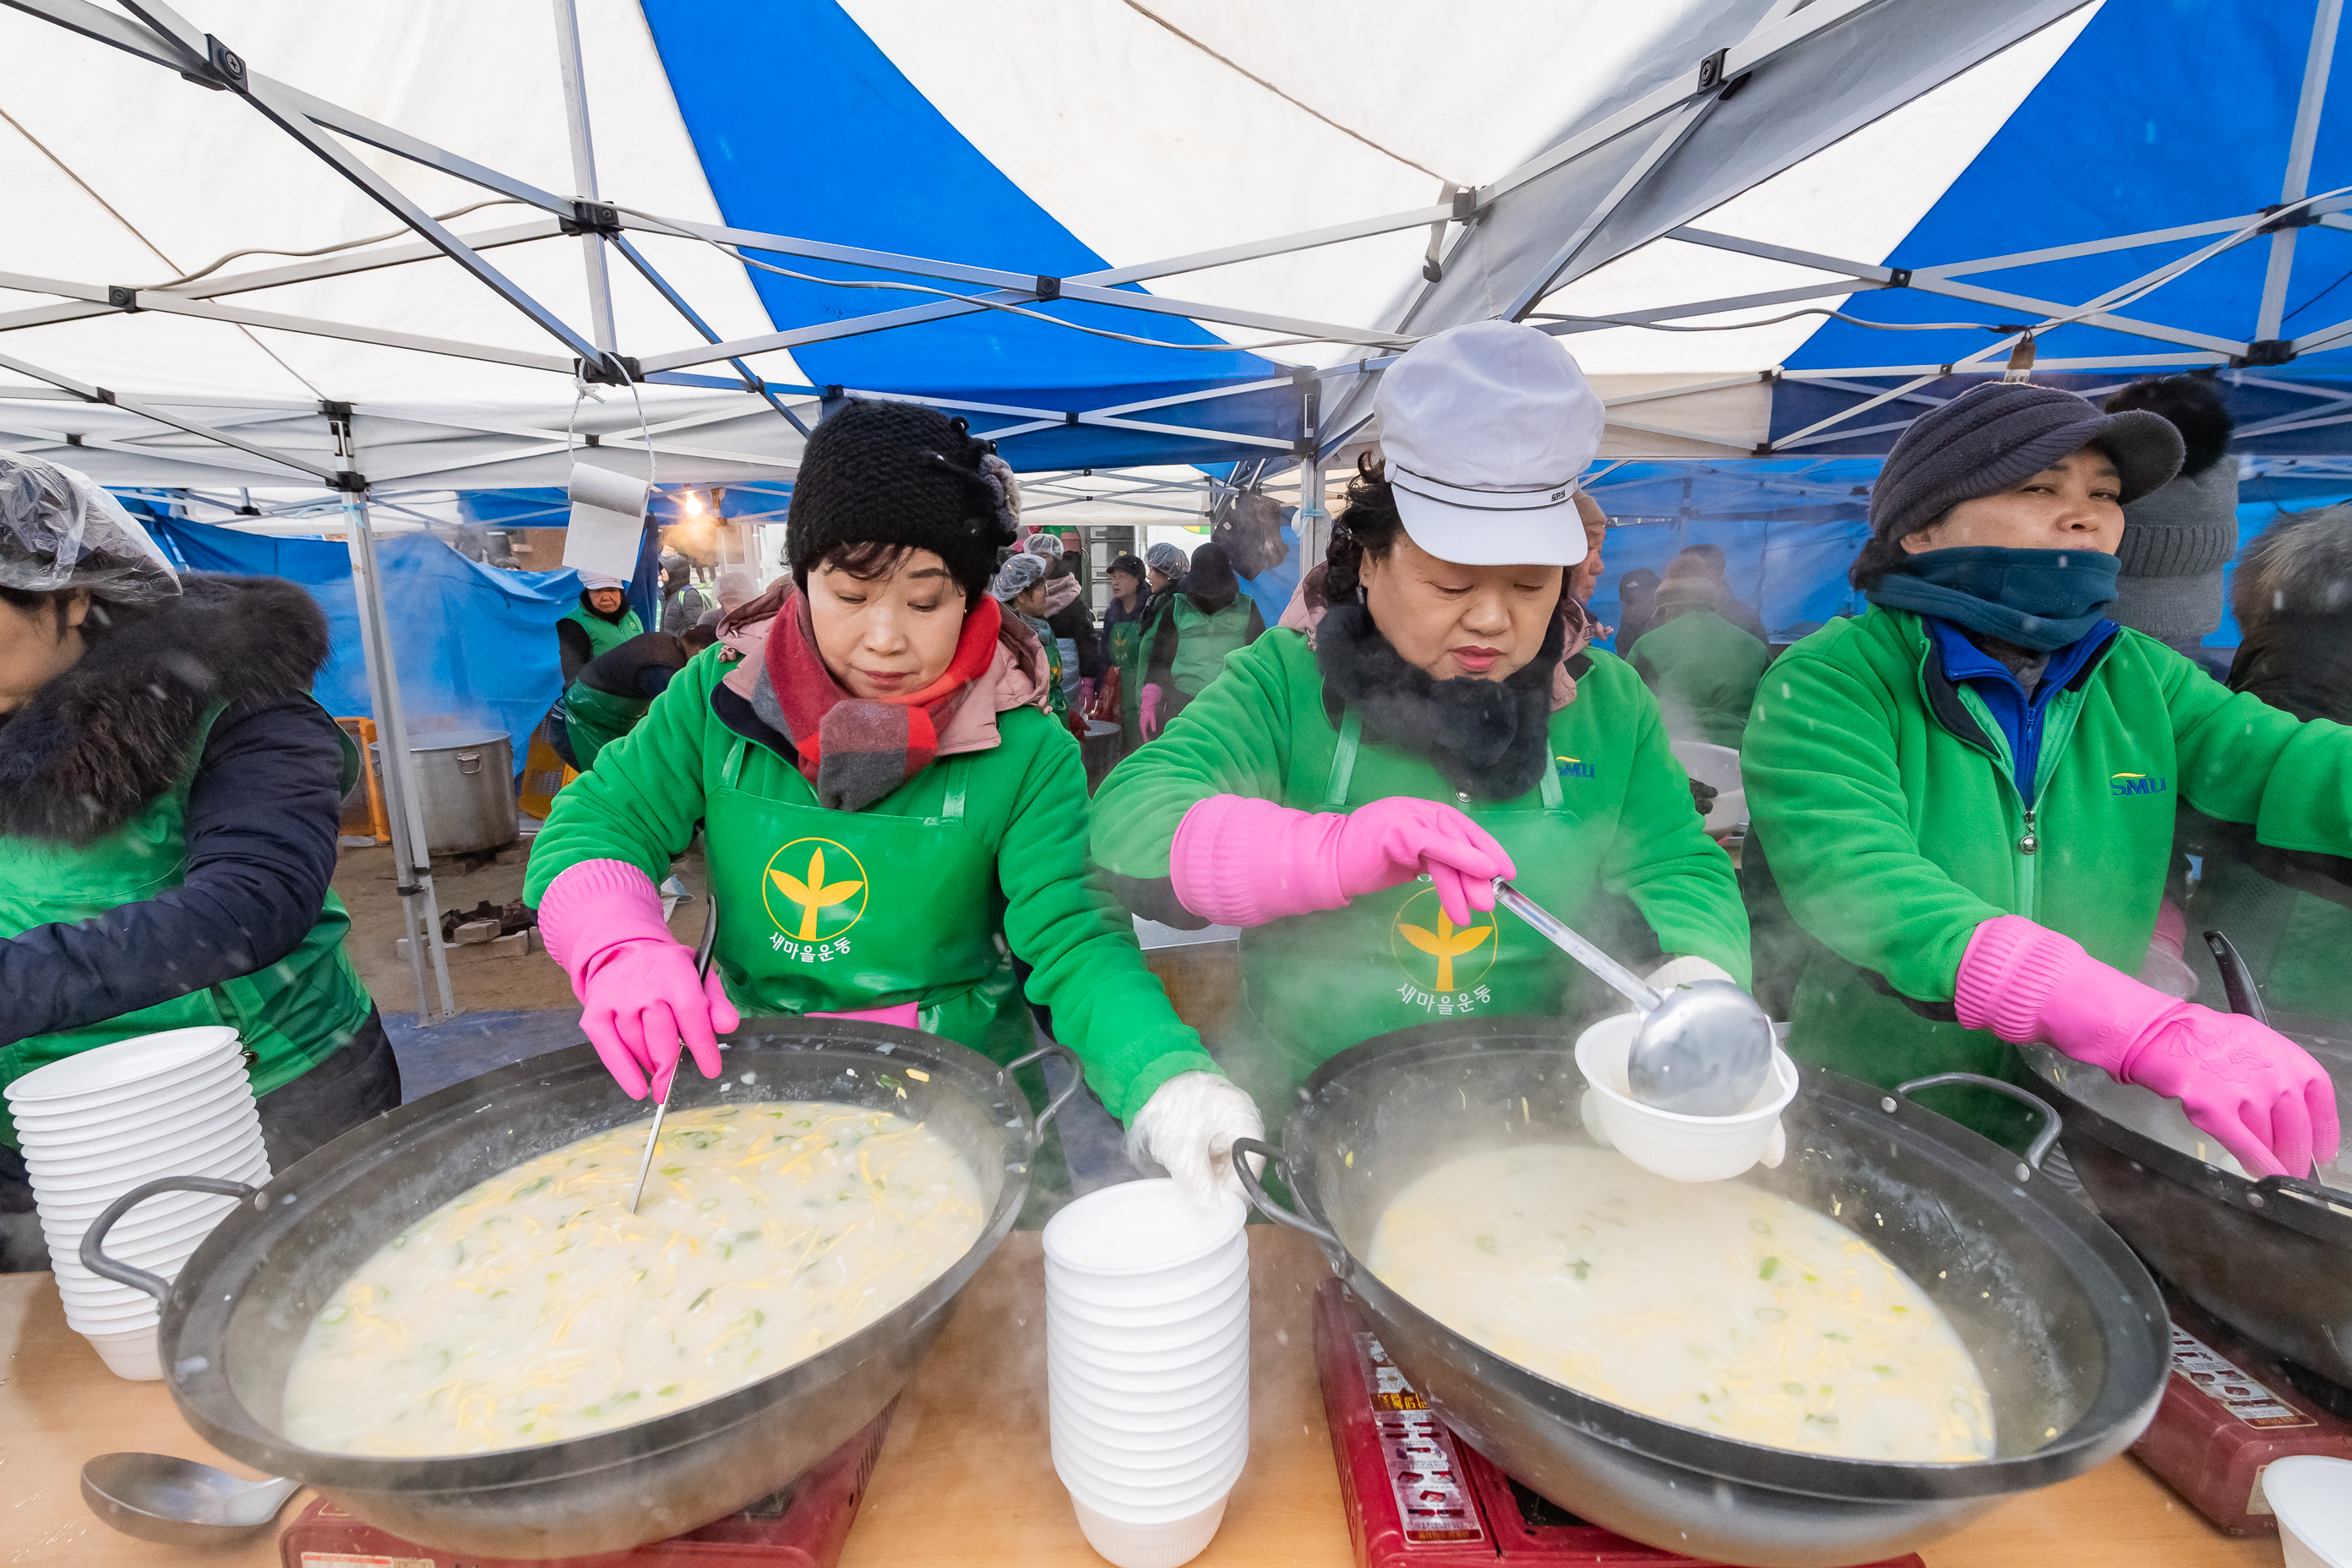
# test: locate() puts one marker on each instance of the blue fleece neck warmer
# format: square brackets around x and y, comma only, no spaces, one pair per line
[2041,599]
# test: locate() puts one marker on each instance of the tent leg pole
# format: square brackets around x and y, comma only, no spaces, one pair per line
[413,866]
[1313,523]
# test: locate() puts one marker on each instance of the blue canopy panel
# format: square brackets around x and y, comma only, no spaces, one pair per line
[548,507]
[474,645]
[805,128]
[2127,134]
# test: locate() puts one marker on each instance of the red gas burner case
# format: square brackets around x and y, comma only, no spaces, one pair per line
[802,1526]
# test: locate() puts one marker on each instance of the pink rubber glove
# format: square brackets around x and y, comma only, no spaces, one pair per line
[1242,862]
[1084,699]
[2255,1092]
[1148,719]
[639,997]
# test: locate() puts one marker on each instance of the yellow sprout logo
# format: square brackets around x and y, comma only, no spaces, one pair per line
[1463,953]
[810,899]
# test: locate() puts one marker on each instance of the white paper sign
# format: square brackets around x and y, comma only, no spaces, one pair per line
[608,522]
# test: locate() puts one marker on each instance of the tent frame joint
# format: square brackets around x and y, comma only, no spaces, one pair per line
[1048,287]
[123,297]
[611,370]
[593,217]
[2284,215]
[2265,351]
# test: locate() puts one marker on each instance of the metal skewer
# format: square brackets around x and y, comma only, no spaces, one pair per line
[661,1102]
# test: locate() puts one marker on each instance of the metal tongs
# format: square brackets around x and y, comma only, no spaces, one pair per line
[661,1101]
[1702,1050]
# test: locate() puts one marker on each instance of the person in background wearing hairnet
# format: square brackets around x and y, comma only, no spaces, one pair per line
[1071,621]
[1122,634]
[1207,618]
[1968,797]
[684,602]
[1020,586]
[170,801]
[600,622]
[1349,800]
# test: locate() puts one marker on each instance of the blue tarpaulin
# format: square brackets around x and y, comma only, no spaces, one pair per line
[474,645]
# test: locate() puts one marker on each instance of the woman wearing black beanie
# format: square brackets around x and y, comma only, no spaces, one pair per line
[1208,618]
[894,822]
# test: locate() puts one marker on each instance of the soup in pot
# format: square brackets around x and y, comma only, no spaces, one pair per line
[1713,1305]
[536,1307]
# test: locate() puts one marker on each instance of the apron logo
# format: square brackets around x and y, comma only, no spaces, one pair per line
[1439,955]
[2136,784]
[812,909]
[1575,768]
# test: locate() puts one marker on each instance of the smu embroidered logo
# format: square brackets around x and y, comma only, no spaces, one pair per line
[1575,768]
[815,890]
[2120,784]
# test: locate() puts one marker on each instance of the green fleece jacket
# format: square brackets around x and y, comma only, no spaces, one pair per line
[1883,798]
[1027,797]
[1704,671]
[1627,827]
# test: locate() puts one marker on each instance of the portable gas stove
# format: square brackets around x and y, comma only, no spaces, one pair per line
[802,1526]
[1418,1497]
[2229,1409]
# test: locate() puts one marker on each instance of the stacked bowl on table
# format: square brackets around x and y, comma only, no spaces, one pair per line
[1147,1362]
[93,1126]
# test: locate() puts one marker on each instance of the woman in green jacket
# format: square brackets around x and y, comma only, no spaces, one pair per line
[1205,618]
[600,622]
[1350,801]
[893,820]
[1967,796]
[1703,668]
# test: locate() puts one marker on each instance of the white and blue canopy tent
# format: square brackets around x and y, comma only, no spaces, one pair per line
[400,251]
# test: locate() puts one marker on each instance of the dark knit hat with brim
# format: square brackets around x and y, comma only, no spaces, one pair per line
[899,474]
[1992,436]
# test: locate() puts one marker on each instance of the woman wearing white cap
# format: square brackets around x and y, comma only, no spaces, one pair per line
[1444,723]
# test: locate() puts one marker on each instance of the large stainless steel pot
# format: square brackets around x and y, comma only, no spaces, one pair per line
[237,1313]
[465,786]
[2065,1326]
[2271,1258]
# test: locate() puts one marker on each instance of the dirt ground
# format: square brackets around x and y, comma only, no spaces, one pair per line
[480,981]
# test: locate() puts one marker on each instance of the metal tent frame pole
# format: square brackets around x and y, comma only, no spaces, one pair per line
[412,863]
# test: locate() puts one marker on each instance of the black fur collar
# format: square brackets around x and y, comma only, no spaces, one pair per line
[100,741]
[1491,739]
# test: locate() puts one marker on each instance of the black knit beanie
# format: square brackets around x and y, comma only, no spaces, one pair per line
[1995,435]
[902,473]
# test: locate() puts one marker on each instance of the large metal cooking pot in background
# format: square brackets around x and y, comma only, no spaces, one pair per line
[465,785]
[236,1314]
[2065,1326]
[2271,1258]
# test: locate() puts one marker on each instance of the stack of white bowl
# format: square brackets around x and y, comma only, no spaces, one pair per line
[1147,1364]
[95,1125]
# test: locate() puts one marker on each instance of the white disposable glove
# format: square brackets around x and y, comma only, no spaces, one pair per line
[1188,1128]
[1681,971]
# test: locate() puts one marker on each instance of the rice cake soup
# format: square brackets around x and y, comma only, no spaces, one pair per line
[536,1307]
[1713,1305]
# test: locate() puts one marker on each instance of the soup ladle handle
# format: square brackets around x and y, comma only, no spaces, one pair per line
[2044,1140]
[1263,1203]
[94,1238]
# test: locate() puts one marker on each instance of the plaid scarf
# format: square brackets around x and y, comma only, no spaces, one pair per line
[854,750]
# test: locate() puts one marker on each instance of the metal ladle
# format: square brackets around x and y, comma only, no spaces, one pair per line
[661,1104]
[178,1502]
[1704,1048]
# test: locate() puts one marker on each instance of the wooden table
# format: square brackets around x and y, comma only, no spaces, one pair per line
[965,1478]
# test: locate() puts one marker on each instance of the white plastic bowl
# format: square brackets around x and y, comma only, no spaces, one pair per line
[1089,1486]
[128,1238]
[1666,1142]
[1116,1334]
[141,1127]
[1153,1471]
[1134,1513]
[2313,1498]
[109,1069]
[104,1317]
[1069,1364]
[1166,1298]
[193,1154]
[131,1117]
[1169,1545]
[157,1214]
[1126,1446]
[252,1169]
[1138,1229]
[1162,1418]
[130,1354]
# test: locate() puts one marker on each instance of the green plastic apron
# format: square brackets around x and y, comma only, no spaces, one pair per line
[1314,984]
[594,719]
[840,911]
[1203,640]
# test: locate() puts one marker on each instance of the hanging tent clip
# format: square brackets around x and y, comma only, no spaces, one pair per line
[2020,360]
